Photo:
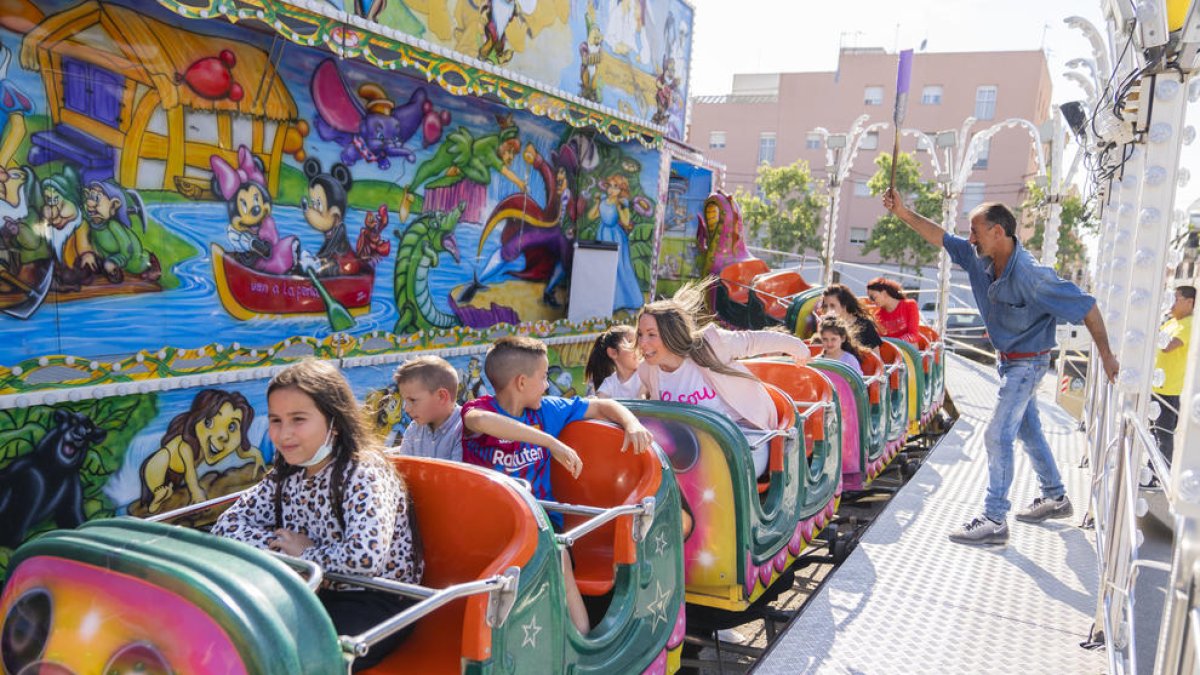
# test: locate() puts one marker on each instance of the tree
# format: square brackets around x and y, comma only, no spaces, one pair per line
[1072,255]
[786,212]
[894,240]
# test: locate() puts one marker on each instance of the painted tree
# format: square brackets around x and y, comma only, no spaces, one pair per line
[787,211]
[1072,255]
[895,241]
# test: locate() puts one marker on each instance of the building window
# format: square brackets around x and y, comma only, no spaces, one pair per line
[858,236]
[861,189]
[972,196]
[812,141]
[873,96]
[716,139]
[766,147]
[870,141]
[981,160]
[931,94]
[985,102]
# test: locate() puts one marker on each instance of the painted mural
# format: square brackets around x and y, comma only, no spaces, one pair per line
[144,454]
[678,259]
[178,183]
[632,55]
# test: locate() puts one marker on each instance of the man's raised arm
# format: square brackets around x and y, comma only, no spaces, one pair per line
[929,230]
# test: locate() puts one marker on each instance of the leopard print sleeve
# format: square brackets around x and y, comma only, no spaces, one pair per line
[371,506]
[251,519]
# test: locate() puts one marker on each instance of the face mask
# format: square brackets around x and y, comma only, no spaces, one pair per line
[322,452]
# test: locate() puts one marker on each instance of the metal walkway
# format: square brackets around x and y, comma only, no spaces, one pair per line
[907,600]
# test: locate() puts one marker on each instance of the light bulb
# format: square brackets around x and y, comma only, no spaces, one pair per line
[1157,378]
[1189,134]
[1134,338]
[1155,175]
[1167,90]
[1149,216]
[1161,132]
[1182,177]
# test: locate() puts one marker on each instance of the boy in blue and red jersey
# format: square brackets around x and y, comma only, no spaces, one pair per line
[517,367]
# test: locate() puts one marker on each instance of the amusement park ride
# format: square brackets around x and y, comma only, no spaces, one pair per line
[107,564]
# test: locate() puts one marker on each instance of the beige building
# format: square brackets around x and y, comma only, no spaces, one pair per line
[770,117]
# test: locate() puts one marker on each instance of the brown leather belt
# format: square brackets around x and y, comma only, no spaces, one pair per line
[1012,356]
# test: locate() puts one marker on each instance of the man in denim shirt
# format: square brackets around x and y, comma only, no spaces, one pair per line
[1021,302]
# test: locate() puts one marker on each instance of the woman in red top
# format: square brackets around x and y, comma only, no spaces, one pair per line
[898,315]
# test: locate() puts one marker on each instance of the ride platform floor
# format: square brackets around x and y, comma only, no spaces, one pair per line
[908,600]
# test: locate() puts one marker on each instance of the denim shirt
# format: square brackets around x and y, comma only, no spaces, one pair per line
[1023,306]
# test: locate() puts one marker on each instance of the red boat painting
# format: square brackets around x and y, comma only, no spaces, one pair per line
[249,294]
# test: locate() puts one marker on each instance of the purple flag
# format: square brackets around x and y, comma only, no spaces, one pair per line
[903,77]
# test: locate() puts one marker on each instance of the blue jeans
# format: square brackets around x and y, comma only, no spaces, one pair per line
[1016,417]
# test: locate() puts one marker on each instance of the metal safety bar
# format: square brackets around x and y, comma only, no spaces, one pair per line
[811,408]
[168,516]
[755,437]
[643,512]
[501,589]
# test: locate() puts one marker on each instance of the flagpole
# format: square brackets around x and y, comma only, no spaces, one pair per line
[903,79]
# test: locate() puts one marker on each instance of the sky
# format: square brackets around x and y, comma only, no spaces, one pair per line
[752,36]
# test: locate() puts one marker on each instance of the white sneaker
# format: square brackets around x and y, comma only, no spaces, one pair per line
[981,531]
[731,636]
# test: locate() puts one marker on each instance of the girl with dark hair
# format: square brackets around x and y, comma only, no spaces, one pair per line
[612,366]
[839,344]
[839,301]
[898,315]
[331,498]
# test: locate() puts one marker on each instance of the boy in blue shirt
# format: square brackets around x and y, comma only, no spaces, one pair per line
[517,367]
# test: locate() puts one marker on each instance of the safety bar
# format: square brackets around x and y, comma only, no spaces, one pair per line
[197,507]
[893,367]
[811,408]
[501,589]
[312,571]
[756,438]
[872,379]
[600,517]
[1158,462]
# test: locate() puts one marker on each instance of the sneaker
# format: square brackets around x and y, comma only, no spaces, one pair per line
[731,636]
[1044,508]
[981,531]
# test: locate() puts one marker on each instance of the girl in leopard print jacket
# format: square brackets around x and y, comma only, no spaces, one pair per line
[331,498]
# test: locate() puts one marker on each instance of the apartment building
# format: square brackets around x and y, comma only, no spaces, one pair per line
[770,117]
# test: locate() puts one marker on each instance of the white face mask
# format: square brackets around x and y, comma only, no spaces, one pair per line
[322,452]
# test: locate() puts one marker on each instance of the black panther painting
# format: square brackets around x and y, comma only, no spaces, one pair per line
[45,483]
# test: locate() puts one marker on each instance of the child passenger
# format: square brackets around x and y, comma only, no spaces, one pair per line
[516,367]
[612,366]
[331,498]
[695,363]
[898,314]
[839,344]
[840,301]
[428,385]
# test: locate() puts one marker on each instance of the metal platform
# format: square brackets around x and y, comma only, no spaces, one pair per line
[908,600]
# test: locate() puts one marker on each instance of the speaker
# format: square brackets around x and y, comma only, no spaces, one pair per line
[1076,118]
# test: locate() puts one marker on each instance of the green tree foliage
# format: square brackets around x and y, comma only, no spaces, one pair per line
[1072,254]
[895,241]
[787,212]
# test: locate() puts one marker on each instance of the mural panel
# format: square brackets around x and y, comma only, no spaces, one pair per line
[632,55]
[687,189]
[177,183]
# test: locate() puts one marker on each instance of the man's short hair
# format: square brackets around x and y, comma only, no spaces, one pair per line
[1188,292]
[432,372]
[511,356]
[997,214]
